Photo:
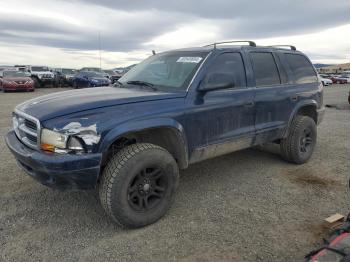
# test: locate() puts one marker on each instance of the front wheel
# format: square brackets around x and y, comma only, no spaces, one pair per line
[138,185]
[300,143]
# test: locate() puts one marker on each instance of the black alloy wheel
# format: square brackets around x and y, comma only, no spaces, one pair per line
[147,189]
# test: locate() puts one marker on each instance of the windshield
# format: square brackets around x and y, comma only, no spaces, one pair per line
[40,68]
[171,70]
[68,71]
[110,72]
[14,74]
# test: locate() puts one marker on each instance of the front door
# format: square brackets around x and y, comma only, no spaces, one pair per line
[227,114]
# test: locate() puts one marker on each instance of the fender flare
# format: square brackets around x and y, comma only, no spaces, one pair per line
[301,104]
[140,125]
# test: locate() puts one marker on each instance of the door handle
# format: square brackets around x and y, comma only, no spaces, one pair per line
[294,98]
[249,104]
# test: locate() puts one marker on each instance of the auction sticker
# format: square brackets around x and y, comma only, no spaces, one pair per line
[189,59]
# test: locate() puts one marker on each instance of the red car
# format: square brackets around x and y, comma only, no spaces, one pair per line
[15,81]
[338,80]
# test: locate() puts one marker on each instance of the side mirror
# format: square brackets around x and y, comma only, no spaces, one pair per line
[216,81]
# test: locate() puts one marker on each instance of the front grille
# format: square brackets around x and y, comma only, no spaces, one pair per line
[30,124]
[27,128]
[46,76]
[20,82]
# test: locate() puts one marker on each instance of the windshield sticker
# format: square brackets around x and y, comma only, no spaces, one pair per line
[189,59]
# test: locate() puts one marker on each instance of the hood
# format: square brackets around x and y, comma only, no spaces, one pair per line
[40,73]
[24,79]
[69,102]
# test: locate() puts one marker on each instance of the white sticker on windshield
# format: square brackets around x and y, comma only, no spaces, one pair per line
[189,59]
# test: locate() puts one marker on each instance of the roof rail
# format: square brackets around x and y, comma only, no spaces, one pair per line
[251,43]
[292,47]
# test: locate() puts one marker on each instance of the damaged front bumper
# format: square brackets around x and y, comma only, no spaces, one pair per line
[54,170]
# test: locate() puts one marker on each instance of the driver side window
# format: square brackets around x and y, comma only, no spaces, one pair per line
[227,67]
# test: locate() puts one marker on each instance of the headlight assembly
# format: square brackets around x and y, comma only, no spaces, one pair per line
[50,140]
[53,141]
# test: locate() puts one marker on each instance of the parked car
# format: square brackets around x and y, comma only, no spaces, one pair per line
[94,69]
[64,76]
[174,109]
[41,75]
[325,81]
[15,81]
[23,68]
[89,79]
[338,80]
[345,77]
[113,76]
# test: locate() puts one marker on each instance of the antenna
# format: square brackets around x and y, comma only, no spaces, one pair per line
[99,47]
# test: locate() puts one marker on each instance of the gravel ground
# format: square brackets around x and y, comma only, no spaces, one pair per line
[245,206]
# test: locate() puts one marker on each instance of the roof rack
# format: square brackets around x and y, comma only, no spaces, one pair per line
[292,47]
[251,43]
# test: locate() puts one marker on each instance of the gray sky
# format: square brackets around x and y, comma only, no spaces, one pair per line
[64,33]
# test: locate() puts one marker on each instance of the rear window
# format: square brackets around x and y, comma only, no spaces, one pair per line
[301,68]
[265,69]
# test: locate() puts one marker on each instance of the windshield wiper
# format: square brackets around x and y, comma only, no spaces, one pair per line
[142,83]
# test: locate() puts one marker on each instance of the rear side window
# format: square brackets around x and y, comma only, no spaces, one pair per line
[265,69]
[229,65]
[301,68]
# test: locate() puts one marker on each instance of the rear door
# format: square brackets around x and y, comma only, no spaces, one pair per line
[274,97]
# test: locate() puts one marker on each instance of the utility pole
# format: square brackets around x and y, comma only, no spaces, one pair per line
[99,47]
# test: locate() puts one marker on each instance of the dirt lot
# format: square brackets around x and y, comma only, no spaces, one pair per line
[245,206]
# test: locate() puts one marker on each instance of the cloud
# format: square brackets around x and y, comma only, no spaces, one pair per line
[71,27]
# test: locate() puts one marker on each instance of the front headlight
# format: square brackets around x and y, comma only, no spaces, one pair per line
[50,140]
[53,141]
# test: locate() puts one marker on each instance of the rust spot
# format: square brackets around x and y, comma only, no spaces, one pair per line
[305,177]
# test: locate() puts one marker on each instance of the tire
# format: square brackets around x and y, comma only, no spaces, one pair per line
[75,85]
[300,143]
[138,185]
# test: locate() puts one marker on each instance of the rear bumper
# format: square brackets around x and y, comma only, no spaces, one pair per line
[54,170]
[320,115]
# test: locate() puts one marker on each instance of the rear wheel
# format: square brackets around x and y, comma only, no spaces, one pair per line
[299,145]
[138,184]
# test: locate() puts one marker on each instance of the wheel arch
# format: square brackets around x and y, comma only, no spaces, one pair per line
[306,108]
[166,133]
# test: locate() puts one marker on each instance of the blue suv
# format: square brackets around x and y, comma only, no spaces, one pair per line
[174,109]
